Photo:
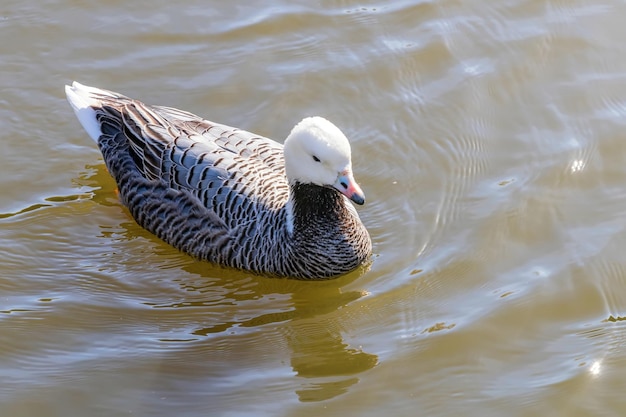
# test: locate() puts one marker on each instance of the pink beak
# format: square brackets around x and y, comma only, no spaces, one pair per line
[347,186]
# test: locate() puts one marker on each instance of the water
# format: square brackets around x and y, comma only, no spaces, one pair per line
[487,136]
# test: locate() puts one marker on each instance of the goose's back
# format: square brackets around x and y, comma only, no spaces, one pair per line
[238,175]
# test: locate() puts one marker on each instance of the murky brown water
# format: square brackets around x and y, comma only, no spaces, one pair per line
[489,137]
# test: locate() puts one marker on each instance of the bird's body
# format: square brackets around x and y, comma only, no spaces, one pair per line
[226,195]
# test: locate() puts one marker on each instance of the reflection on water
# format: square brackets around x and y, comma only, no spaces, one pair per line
[25,210]
[323,357]
[316,347]
[595,368]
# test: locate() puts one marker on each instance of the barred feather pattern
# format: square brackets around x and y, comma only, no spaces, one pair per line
[220,194]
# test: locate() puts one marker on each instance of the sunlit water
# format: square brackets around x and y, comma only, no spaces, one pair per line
[489,138]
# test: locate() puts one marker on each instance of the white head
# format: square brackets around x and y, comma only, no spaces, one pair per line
[317,152]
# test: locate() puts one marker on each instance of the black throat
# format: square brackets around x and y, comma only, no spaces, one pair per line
[315,203]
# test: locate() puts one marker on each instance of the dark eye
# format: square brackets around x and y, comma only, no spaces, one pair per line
[316,159]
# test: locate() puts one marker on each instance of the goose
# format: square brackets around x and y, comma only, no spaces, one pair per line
[228,196]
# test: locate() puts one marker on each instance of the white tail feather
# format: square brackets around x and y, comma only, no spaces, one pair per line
[82,103]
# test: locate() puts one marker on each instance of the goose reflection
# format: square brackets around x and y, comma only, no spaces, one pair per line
[326,365]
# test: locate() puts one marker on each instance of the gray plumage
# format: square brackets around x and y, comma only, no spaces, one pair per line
[221,194]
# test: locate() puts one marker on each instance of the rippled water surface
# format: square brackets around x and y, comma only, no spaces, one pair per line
[490,140]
